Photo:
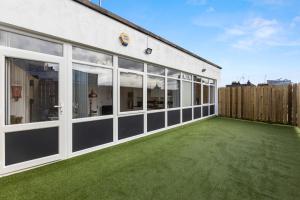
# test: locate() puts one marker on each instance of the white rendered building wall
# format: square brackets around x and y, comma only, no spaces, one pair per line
[71,21]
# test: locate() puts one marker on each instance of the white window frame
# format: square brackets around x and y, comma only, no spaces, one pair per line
[201,101]
[192,103]
[180,90]
[28,34]
[202,91]
[158,76]
[93,118]
[92,50]
[8,52]
[135,112]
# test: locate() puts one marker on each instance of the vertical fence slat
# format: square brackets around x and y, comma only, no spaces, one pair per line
[233,102]
[285,104]
[269,103]
[255,104]
[290,103]
[294,105]
[228,102]
[273,118]
[239,103]
[220,99]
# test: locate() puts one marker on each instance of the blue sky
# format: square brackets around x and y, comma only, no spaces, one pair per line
[250,39]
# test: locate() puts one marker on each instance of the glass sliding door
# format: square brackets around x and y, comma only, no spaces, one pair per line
[31,70]
[33,111]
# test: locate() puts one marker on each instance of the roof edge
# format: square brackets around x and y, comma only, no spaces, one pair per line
[141,29]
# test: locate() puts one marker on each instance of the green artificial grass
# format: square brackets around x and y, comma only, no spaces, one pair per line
[213,159]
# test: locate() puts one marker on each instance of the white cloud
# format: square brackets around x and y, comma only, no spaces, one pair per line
[254,32]
[265,32]
[248,31]
[261,22]
[234,32]
[244,44]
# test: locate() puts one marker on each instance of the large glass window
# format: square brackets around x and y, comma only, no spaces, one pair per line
[92,56]
[186,93]
[205,94]
[197,94]
[31,91]
[173,93]
[29,43]
[155,93]
[92,91]
[156,70]
[212,94]
[131,64]
[173,73]
[131,92]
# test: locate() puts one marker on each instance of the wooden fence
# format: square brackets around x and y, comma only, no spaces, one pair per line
[274,104]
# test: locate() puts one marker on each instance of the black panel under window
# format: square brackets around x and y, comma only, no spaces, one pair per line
[212,110]
[130,126]
[205,111]
[173,117]
[187,114]
[28,145]
[91,134]
[197,112]
[155,121]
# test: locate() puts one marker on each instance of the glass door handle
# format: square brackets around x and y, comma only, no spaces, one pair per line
[60,107]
